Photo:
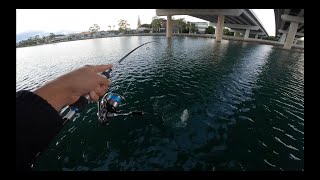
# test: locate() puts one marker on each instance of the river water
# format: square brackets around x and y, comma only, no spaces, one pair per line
[211,106]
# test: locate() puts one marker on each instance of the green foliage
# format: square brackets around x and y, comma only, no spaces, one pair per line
[227,32]
[210,30]
[94,28]
[123,24]
[156,23]
[271,38]
[181,24]
[146,25]
[192,27]
[51,36]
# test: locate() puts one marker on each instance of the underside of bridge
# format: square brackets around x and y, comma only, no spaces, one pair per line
[238,20]
[290,24]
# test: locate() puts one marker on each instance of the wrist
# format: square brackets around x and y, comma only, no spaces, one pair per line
[56,95]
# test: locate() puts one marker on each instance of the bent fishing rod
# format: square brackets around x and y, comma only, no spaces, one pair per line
[108,106]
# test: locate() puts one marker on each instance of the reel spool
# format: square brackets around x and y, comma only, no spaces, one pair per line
[109,103]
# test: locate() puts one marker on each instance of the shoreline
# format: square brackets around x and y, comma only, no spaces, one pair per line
[295,47]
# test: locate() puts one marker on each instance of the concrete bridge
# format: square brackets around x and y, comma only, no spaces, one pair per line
[290,24]
[238,20]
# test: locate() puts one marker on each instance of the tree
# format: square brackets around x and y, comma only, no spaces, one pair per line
[181,24]
[123,25]
[188,27]
[139,22]
[193,28]
[185,30]
[156,23]
[210,30]
[51,35]
[94,28]
[128,27]
[146,25]
[43,40]
[226,31]
[97,27]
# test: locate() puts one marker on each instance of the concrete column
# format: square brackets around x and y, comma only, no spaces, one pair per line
[246,36]
[291,35]
[169,26]
[256,36]
[219,28]
[283,37]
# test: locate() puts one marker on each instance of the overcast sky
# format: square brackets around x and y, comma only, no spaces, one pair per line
[79,20]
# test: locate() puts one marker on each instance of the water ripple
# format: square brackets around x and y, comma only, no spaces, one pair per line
[234,93]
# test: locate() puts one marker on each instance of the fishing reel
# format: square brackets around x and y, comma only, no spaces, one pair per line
[109,106]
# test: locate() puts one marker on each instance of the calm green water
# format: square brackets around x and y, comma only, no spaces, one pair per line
[245,104]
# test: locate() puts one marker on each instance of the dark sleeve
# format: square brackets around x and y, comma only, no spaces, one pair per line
[37,123]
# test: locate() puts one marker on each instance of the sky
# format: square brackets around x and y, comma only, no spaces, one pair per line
[79,20]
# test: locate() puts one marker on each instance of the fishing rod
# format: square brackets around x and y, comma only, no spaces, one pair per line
[108,106]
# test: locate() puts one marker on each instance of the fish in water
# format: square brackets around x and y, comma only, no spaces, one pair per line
[185,115]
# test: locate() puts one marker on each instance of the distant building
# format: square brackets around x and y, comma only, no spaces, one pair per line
[59,37]
[86,35]
[161,30]
[111,33]
[74,36]
[201,26]
[163,26]
[142,29]
[104,33]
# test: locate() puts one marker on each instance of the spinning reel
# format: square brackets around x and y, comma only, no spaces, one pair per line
[109,106]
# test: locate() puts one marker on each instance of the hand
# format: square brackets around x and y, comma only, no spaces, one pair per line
[67,89]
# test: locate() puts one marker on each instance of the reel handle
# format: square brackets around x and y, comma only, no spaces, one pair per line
[107,73]
[137,113]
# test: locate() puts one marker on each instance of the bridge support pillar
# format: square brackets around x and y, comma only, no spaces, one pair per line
[246,36]
[283,37]
[291,35]
[219,28]
[169,26]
